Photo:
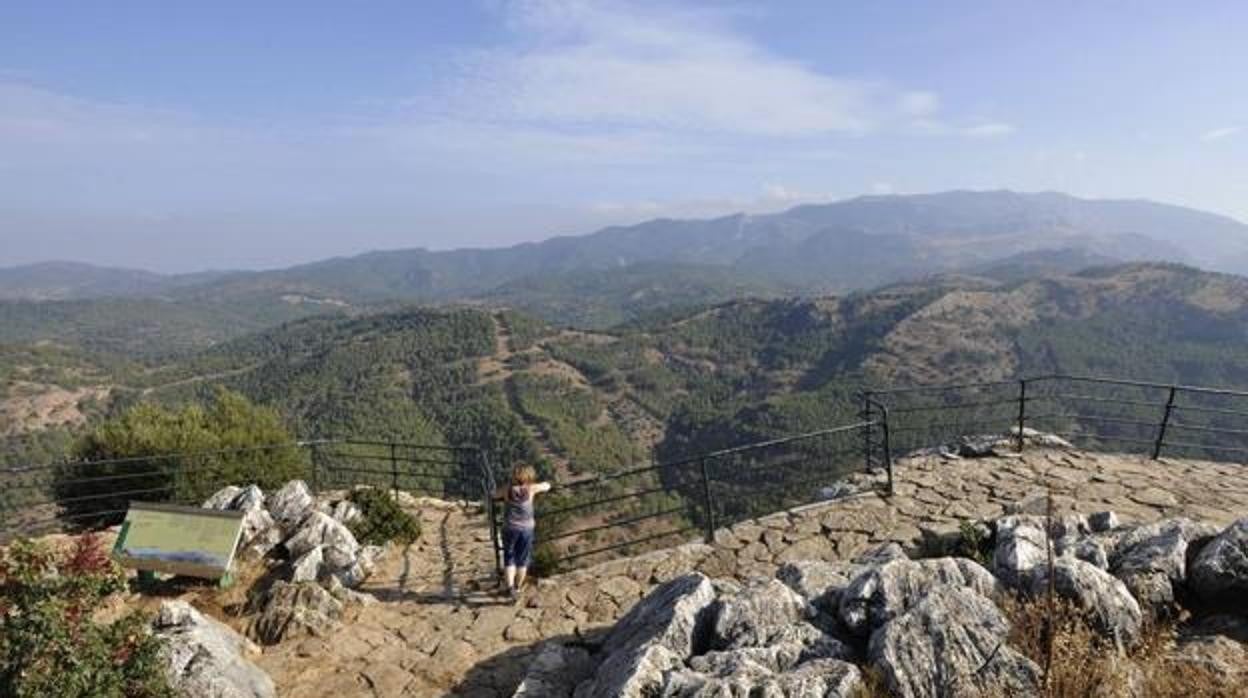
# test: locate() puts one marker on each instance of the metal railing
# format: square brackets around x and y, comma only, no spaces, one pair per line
[1091,412]
[97,493]
[626,511]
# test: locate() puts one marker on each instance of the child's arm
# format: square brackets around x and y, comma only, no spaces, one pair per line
[542,487]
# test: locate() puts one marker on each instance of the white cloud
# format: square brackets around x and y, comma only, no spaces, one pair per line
[988,130]
[624,66]
[938,127]
[920,103]
[1218,134]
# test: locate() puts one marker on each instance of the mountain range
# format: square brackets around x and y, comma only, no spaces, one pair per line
[811,249]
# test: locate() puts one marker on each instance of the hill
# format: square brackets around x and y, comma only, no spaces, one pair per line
[848,245]
[75,281]
[709,377]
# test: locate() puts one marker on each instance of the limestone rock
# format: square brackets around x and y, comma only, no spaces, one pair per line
[1153,567]
[222,498]
[825,678]
[657,635]
[293,610]
[951,643]
[260,533]
[346,512]
[291,504]
[555,671]
[308,567]
[1106,599]
[819,583]
[1219,573]
[320,529]
[884,592]
[1020,548]
[1190,531]
[205,658]
[881,554]
[757,615]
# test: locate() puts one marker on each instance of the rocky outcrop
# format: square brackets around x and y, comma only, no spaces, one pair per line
[655,637]
[205,658]
[1219,574]
[260,533]
[1103,598]
[1152,561]
[951,643]
[314,535]
[295,610]
[928,627]
[291,504]
[885,591]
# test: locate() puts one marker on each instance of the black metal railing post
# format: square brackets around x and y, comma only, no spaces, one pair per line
[488,484]
[394,470]
[1165,421]
[888,448]
[868,441]
[1022,411]
[707,502]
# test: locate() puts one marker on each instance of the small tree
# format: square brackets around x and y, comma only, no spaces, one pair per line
[51,647]
[157,453]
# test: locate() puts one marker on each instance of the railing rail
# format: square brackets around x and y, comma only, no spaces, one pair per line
[646,503]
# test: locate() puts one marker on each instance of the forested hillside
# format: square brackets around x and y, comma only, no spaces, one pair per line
[692,380]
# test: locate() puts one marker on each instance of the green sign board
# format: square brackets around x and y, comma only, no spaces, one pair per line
[178,540]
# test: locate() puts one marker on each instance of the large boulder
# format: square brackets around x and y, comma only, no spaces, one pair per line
[206,658]
[951,643]
[825,678]
[294,610]
[1105,599]
[1020,548]
[883,592]
[819,583]
[555,671]
[660,632]
[1152,561]
[1219,574]
[757,616]
[291,504]
[321,529]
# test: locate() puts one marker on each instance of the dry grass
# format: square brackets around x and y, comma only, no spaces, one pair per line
[1086,664]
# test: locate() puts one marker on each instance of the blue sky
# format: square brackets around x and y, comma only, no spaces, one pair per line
[179,136]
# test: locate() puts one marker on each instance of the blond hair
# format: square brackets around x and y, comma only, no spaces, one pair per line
[523,475]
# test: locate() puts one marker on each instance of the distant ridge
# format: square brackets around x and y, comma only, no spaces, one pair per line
[858,243]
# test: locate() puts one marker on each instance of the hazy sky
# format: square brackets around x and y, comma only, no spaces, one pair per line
[179,136]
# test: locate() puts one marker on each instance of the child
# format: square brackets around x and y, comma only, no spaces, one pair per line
[518,524]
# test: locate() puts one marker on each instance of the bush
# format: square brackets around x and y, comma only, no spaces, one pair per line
[180,455]
[383,519]
[51,647]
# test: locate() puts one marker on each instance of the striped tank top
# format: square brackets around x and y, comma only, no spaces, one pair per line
[519,508]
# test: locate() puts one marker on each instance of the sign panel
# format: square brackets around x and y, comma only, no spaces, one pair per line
[178,540]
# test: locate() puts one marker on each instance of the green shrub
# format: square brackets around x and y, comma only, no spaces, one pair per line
[178,454]
[51,647]
[383,519]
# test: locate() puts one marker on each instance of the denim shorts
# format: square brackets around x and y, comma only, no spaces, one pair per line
[517,546]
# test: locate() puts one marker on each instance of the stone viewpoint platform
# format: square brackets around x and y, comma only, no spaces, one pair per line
[437,628]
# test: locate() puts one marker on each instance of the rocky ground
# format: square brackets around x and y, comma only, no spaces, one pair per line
[883,623]
[436,628]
